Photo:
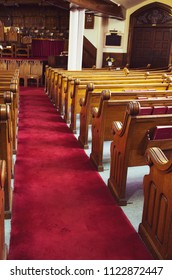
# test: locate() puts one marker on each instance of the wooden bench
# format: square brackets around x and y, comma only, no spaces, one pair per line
[22,51]
[108,111]
[156,226]
[7,98]
[131,139]
[62,86]
[3,247]
[151,70]
[92,99]
[6,153]
[36,68]
[56,78]
[98,79]
[50,71]
[68,83]
[14,88]
[50,74]
[81,90]
[53,76]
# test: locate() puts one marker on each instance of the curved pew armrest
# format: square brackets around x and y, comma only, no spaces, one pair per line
[82,101]
[117,127]
[2,173]
[157,157]
[94,112]
[133,109]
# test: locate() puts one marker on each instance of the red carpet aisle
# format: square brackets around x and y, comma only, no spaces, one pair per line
[61,208]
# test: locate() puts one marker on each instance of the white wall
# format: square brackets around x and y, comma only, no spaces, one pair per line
[102,25]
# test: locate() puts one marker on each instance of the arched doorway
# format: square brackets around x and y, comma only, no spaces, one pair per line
[150,39]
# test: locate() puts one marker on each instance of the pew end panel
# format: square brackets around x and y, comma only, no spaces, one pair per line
[61,94]
[91,100]
[102,118]
[6,154]
[68,98]
[54,85]
[156,226]
[79,92]
[3,246]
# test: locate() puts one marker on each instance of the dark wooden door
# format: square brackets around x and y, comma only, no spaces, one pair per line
[151,46]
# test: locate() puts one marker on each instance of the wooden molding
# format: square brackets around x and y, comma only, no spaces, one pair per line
[110,9]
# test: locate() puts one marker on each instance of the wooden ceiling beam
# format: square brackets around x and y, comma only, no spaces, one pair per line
[56,3]
[101,7]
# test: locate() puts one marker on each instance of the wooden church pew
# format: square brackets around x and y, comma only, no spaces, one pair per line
[9,73]
[80,92]
[58,93]
[156,226]
[49,77]
[83,75]
[57,78]
[14,88]
[3,247]
[68,83]
[50,72]
[62,94]
[166,69]
[6,153]
[108,111]
[92,99]
[51,82]
[131,139]
[72,85]
[7,98]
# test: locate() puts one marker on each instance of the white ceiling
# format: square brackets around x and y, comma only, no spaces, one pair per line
[128,3]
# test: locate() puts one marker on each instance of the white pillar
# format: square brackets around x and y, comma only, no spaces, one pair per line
[76,33]
[101,28]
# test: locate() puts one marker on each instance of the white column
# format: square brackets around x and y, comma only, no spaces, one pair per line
[101,27]
[76,32]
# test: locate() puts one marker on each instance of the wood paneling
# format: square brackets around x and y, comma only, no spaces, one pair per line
[150,36]
[39,16]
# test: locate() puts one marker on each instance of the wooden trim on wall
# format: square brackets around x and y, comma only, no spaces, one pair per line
[120,59]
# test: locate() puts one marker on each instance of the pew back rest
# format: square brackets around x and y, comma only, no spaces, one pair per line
[112,109]
[135,134]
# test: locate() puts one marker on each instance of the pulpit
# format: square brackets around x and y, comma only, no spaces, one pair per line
[59,61]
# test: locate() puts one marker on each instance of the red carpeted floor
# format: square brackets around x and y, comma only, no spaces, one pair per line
[61,207]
